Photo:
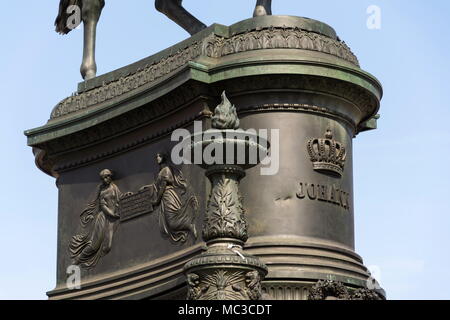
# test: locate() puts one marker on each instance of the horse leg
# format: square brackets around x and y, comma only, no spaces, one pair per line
[263,8]
[175,11]
[91,12]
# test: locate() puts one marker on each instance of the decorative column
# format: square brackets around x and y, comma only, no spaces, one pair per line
[225,271]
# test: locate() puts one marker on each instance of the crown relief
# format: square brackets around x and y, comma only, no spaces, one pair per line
[327,155]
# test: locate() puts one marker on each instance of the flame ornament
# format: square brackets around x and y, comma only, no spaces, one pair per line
[225,116]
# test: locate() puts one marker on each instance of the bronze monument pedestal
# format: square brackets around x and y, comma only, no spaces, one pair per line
[132,232]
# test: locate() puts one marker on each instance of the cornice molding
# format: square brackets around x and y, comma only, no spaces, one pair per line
[212,46]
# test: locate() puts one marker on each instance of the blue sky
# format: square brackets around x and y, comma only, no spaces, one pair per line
[402,208]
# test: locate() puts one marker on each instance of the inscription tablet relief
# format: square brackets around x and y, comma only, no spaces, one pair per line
[134,205]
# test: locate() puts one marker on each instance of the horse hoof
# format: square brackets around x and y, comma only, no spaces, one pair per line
[260,11]
[88,74]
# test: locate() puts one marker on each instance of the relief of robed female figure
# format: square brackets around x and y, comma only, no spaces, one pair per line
[177,210]
[99,222]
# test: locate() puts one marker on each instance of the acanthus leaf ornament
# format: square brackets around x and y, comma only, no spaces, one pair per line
[224,284]
[226,213]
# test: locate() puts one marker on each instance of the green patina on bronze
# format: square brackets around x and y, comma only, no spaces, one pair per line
[210,70]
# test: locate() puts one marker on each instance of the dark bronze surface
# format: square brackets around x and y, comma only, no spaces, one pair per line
[286,73]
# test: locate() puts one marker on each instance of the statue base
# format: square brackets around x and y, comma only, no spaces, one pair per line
[288,75]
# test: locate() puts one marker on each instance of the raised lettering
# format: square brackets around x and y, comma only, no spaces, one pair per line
[325,193]
[301,192]
[322,193]
[312,191]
